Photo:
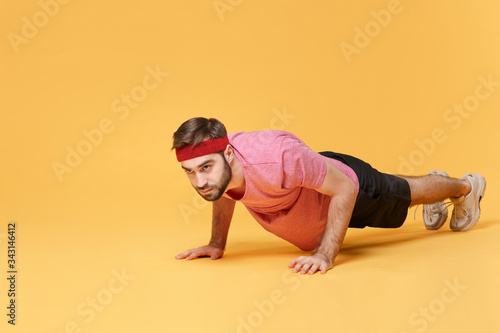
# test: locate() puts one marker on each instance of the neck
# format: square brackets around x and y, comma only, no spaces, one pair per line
[237,181]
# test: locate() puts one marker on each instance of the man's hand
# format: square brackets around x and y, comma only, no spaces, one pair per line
[214,252]
[311,264]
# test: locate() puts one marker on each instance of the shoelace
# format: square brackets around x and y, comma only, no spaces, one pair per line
[435,209]
[460,211]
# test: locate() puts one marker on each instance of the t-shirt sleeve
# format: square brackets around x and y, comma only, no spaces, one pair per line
[302,166]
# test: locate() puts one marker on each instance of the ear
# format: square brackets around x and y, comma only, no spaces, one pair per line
[229,153]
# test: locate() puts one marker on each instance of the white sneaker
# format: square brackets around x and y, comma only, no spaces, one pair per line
[435,214]
[467,210]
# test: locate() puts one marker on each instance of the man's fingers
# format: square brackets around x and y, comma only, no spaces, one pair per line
[296,261]
[297,267]
[325,267]
[191,254]
[305,267]
[204,251]
[313,269]
[309,265]
[215,255]
[183,255]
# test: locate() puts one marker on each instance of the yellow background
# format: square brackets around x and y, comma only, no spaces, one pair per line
[127,206]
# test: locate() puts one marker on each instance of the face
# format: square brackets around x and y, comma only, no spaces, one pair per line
[209,175]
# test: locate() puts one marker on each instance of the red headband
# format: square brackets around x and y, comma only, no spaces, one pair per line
[204,148]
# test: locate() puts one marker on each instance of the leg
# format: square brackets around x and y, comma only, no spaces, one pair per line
[433,188]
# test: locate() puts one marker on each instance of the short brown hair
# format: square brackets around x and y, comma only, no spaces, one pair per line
[196,130]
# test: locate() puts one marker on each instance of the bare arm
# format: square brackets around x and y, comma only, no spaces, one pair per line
[343,192]
[222,214]
[339,215]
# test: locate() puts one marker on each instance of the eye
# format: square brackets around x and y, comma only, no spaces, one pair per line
[206,167]
[189,171]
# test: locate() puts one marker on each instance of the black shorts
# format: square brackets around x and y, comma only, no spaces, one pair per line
[383,200]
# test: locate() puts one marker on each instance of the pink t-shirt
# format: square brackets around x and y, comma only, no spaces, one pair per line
[281,174]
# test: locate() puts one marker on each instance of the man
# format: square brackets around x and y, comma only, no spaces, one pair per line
[305,197]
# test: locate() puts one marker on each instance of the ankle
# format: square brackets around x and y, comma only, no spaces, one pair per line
[463,190]
[466,187]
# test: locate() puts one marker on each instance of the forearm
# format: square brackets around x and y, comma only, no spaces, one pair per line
[343,193]
[222,214]
[339,215]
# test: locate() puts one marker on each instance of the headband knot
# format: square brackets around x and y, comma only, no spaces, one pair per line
[204,148]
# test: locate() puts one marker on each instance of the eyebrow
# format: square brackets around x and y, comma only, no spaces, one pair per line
[201,164]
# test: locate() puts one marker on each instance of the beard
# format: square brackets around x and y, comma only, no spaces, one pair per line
[217,189]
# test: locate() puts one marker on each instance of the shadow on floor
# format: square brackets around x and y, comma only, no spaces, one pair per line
[354,246]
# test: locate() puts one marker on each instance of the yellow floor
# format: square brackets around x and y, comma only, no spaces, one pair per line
[92,91]
[405,280]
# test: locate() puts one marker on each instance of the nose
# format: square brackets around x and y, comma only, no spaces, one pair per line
[201,180]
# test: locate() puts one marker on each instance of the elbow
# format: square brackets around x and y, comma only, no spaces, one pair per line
[349,193]
[353,190]
[346,194]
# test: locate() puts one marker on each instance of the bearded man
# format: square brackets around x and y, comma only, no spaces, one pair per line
[308,198]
